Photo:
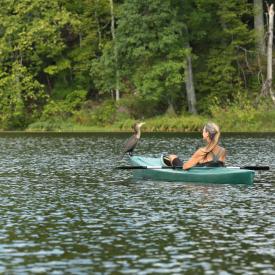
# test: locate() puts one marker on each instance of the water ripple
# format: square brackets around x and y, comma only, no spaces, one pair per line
[64,209]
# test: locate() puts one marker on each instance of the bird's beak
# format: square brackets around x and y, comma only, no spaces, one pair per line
[142,123]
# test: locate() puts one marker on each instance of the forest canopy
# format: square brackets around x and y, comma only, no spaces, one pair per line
[100,61]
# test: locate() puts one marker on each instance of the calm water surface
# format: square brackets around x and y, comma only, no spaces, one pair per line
[64,209]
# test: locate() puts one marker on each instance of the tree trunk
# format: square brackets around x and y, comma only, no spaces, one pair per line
[269,51]
[191,96]
[49,84]
[115,50]
[170,110]
[189,84]
[98,31]
[259,26]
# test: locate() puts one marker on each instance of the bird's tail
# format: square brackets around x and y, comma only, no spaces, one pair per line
[130,154]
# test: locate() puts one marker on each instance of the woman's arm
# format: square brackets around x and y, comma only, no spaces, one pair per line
[195,159]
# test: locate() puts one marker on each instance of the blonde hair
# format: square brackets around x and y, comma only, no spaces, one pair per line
[214,134]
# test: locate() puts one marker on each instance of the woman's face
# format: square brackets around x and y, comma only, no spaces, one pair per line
[205,134]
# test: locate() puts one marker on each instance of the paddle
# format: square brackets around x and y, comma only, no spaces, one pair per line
[179,167]
[264,168]
[148,167]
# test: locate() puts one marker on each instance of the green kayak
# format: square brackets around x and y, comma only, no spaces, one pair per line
[219,175]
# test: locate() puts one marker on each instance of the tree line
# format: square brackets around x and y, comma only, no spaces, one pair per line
[182,55]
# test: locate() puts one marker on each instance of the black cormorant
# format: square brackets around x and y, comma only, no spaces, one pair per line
[131,143]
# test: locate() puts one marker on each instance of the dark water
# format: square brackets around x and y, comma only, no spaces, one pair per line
[63,209]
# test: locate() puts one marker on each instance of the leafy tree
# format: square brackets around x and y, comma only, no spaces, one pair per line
[104,65]
[150,50]
[93,34]
[222,69]
[21,97]
[35,34]
[32,44]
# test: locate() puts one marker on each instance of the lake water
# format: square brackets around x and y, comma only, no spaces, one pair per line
[64,209]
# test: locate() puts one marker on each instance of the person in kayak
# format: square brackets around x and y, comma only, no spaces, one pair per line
[212,155]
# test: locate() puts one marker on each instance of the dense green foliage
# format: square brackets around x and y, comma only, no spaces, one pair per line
[59,62]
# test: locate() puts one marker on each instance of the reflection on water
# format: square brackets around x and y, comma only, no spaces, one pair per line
[64,209]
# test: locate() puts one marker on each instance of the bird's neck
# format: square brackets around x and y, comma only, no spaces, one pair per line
[137,134]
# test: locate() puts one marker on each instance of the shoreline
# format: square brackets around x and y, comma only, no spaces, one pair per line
[117,131]
[255,123]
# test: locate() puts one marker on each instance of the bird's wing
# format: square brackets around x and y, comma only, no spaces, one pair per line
[130,144]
